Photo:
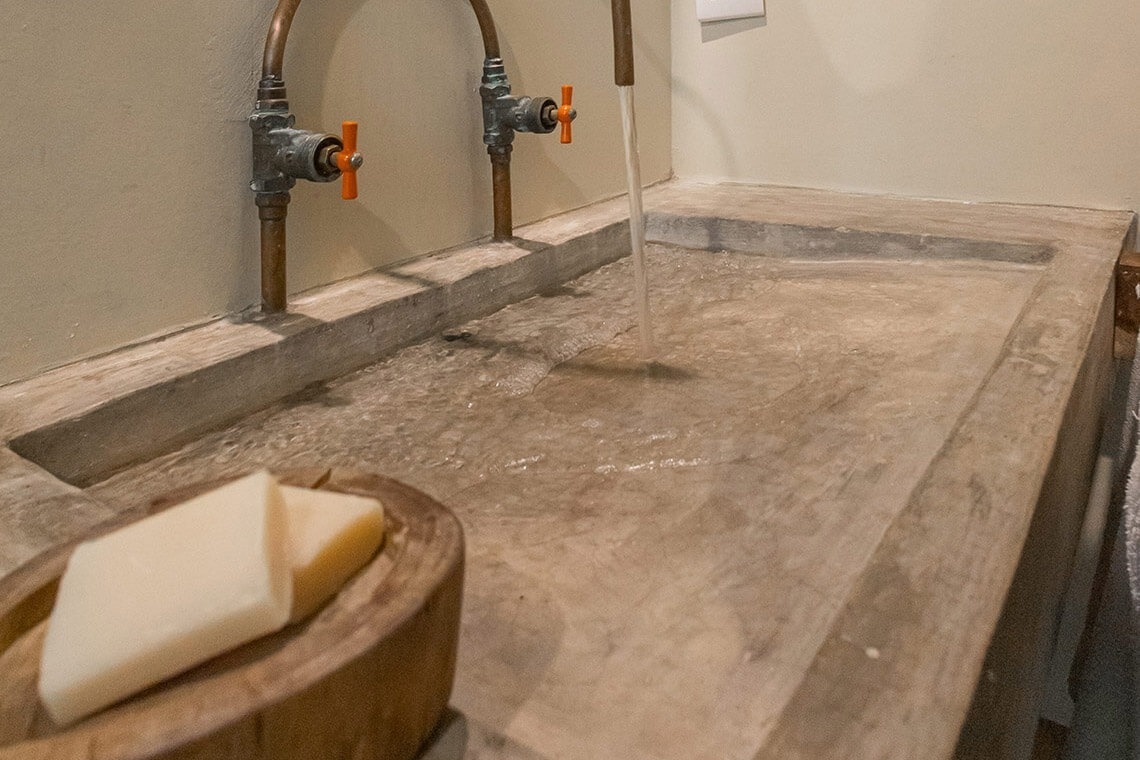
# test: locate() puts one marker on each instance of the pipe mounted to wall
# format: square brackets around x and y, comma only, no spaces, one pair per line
[504,114]
[282,154]
[272,62]
[623,43]
[486,28]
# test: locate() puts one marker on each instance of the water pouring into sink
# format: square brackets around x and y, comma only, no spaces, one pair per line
[623,78]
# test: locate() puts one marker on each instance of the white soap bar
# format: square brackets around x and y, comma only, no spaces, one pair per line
[163,594]
[331,536]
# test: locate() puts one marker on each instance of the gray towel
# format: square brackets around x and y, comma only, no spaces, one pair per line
[1106,722]
[1105,705]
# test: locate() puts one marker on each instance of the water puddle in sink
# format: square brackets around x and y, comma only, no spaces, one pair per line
[675,537]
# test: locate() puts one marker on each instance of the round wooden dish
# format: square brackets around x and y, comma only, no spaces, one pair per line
[368,676]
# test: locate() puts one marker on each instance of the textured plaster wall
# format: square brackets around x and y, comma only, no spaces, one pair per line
[975,100]
[125,211]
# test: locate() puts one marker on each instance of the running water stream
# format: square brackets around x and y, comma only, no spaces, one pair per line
[636,223]
[624,79]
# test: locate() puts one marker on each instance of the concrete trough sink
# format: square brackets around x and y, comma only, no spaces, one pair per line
[854,471]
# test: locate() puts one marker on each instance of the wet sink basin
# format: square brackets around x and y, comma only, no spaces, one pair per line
[793,534]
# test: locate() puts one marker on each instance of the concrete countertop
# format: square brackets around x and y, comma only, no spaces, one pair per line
[893,671]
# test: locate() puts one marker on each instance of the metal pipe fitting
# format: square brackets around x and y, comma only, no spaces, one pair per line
[534,115]
[306,155]
[623,43]
[282,154]
[495,92]
[505,114]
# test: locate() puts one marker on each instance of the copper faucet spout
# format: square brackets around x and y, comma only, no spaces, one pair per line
[623,43]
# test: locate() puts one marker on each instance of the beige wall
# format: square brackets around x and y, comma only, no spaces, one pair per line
[125,210]
[1033,101]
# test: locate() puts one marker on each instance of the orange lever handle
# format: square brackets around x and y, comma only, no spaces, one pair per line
[566,114]
[347,160]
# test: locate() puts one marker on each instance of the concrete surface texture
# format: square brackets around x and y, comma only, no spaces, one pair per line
[656,552]
[790,536]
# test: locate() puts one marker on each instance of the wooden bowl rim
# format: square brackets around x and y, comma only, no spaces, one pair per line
[417,518]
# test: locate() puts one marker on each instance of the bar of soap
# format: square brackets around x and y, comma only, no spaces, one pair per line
[166,593]
[331,536]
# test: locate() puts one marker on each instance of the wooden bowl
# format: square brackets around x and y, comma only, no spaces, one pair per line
[368,676]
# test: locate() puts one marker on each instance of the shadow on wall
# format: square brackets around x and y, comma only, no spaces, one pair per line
[717,30]
[420,143]
[423,146]
[353,238]
[426,182]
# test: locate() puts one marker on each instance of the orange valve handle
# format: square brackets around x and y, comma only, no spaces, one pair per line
[348,160]
[566,113]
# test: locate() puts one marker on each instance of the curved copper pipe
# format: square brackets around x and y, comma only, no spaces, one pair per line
[503,225]
[273,208]
[486,28]
[273,61]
